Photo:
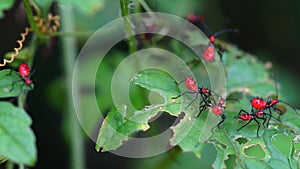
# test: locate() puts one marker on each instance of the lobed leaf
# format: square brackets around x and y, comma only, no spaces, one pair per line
[17,141]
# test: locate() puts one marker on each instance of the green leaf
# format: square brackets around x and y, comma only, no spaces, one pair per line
[245,73]
[116,128]
[118,125]
[285,149]
[5,5]
[17,141]
[192,131]
[11,84]
[246,77]
[157,81]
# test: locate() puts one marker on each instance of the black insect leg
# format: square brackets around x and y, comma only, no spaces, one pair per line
[221,122]
[182,95]
[244,125]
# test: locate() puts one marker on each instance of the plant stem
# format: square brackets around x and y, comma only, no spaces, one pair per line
[125,12]
[9,165]
[145,5]
[69,53]
[36,8]
[31,21]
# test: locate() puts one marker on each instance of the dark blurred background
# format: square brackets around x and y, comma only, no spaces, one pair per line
[268,29]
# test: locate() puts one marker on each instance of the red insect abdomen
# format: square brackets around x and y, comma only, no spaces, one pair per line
[258,103]
[191,84]
[209,53]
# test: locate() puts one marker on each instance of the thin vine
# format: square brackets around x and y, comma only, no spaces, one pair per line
[20,42]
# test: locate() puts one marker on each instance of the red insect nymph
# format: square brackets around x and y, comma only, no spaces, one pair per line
[204,93]
[191,84]
[209,53]
[258,103]
[217,109]
[212,39]
[24,70]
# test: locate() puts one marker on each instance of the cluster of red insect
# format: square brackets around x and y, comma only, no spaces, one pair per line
[207,99]
[24,73]
[258,111]
[261,108]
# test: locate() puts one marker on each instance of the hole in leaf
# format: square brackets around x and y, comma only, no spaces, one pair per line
[242,140]
[283,143]
[231,161]
[138,97]
[238,57]
[254,151]
[160,125]
[235,95]
[180,117]
[221,144]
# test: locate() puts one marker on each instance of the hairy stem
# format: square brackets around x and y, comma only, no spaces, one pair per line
[125,12]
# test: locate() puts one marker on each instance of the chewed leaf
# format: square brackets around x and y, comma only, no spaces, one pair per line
[17,141]
[11,84]
[192,131]
[246,77]
[116,128]
[119,125]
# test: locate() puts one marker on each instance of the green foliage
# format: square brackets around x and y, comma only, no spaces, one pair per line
[17,141]
[5,5]
[246,78]
[12,84]
[118,124]
[85,7]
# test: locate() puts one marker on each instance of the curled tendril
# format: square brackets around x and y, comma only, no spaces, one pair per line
[46,26]
[20,42]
